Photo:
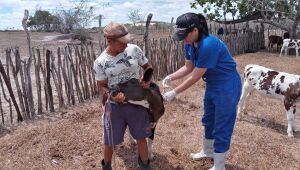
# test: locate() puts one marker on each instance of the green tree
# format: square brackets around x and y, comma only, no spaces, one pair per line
[284,14]
[216,9]
[41,21]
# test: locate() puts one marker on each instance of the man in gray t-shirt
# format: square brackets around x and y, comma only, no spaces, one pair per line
[120,68]
[118,63]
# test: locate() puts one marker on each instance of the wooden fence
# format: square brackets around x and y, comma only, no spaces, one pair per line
[64,77]
[244,42]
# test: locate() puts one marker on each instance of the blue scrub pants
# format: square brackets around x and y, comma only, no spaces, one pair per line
[220,106]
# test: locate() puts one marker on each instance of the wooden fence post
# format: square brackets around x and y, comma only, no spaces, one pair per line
[93,73]
[75,74]
[43,69]
[70,73]
[56,82]
[100,31]
[48,83]
[15,75]
[146,35]
[89,66]
[27,66]
[8,101]
[8,85]
[1,110]
[171,27]
[19,68]
[59,75]
[37,65]
[65,75]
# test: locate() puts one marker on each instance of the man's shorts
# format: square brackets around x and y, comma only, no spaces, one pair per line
[123,115]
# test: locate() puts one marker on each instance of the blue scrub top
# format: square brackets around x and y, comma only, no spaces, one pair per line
[213,54]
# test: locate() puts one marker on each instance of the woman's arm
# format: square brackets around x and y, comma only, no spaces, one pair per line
[183,71]
[196,75]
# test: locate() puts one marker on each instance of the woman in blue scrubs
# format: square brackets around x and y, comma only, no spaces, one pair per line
[207,57]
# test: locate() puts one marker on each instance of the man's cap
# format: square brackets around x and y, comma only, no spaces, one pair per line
[116,31]
[184,24]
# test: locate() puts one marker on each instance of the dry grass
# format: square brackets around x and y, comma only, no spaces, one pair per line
[72,139]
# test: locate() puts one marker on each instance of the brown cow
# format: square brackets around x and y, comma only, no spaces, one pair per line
[274,39]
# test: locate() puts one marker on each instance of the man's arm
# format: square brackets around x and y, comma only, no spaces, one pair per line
[103,89]
[146,66]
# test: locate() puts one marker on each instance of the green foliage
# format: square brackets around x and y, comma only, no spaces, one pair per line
[284,14]
[216,9]
[272,9]
[41,21]
[63,20]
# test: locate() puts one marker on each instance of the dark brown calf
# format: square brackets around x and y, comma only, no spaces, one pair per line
[149,98]
[274,39]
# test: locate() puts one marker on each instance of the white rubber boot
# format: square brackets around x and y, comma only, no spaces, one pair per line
[206,152]
[219,161]
[150,149]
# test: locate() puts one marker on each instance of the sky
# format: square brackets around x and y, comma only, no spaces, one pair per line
[12,11]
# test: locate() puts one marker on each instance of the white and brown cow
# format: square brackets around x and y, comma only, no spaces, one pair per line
[275,84]
[290,43]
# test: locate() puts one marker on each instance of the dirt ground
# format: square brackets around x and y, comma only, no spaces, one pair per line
[72,138]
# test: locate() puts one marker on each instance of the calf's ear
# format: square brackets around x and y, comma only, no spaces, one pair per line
[148,73]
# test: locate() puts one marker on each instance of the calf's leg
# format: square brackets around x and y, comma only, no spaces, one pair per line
[247,88]
[294,121]
[290,114]
[150,144]
[282,48]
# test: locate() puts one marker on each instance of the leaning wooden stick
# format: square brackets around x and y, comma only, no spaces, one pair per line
[15,75]
[8,85]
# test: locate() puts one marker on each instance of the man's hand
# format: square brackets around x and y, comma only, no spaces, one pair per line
[119,98]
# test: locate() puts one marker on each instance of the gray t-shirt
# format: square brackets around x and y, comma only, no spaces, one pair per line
[120,68]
